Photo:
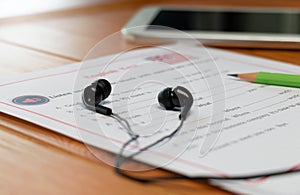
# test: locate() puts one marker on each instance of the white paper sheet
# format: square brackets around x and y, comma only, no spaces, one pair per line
[260,126]
[281,185]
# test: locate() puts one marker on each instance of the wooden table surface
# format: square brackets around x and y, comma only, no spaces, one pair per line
[35,160]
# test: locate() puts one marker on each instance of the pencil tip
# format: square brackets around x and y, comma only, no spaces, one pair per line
[232,75]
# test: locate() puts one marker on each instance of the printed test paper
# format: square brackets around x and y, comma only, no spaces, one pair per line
[233,128]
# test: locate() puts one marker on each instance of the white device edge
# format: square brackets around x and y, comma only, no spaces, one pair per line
[135,29]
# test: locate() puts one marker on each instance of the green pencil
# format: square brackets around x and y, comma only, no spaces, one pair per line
[268,78]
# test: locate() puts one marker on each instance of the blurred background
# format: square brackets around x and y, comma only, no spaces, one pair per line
[51,33]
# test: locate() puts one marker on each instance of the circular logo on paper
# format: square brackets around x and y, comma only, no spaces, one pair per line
[30,100]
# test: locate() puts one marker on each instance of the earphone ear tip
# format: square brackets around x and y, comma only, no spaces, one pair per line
[164,98]
[104,86]
[96,92]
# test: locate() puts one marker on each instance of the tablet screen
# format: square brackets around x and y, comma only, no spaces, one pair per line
[229,21]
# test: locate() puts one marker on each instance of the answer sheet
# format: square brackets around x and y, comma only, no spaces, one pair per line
[233,128]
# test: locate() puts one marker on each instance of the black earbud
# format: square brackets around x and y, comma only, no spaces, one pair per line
[94,94]
[179,97]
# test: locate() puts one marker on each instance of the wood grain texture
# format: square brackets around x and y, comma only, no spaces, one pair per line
[72,35]
[35,160]
[76,34]
[52,34]
[27,10]
[16,60]
[30,166]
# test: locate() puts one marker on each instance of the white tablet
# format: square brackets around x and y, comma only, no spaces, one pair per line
[255,27]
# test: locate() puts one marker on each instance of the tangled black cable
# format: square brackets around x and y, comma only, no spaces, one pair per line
[168,98]
[120,159]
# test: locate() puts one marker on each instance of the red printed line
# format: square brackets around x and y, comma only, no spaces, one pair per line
[67,72]
[213,170]
[62,122]
[256,182]
[263,179]
[40,77]
[206,168]
[294,167]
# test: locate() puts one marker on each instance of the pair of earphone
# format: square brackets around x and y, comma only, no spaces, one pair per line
[170,99]
[178,98]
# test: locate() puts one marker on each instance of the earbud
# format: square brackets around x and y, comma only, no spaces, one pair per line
[94,94]
[179,97]
[170,99]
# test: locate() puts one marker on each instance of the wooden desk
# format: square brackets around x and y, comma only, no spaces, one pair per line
[35,160]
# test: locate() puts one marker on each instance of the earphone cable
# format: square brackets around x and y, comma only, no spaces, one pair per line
[126,126]
[120,159]
[169,99]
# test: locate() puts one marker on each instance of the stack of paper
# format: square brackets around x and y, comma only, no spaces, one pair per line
[233,128]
